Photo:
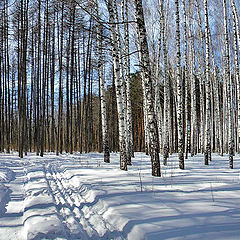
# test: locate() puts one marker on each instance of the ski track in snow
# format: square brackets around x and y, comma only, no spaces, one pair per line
[44,205]
[80,197]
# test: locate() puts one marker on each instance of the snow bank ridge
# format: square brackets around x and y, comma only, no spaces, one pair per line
[55,207]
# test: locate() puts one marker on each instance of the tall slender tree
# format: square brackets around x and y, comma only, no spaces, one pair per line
[102,92]
[179,90]
[228,82]
[119,86]
[207,154]
[148,83]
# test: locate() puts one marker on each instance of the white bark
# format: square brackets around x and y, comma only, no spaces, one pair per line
[179,91]
[207,154]
[102,89]
[123,80]
[166,89]
[145,122]
[201,61]
[228,80]
[130,150]
[186,76]
[236,65]
[102,96]
[193,94]
[218,124]
[148,83]
[119,87]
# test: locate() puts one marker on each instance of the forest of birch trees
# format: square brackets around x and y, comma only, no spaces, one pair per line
[160,76]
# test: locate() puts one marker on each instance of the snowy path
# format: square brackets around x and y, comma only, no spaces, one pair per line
[40,202]
[80,197]
[12,221]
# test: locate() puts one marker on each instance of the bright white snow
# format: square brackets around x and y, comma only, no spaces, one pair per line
[81,197]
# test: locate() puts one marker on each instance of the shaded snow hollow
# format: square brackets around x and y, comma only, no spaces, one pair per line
[81,197]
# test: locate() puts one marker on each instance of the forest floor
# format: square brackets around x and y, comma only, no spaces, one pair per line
[81,197]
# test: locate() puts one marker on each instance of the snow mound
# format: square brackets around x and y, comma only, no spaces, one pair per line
[4,198]
[43,227]
[6,175]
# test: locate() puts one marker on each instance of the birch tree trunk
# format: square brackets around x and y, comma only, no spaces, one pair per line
[166,89]
[179,91]
[145,66]
[193,92]
[186,77]
[119,87]
[236,66]
[228,80]
[145,120]
[102,95]
[157,84]
[130,149]
[207,154]
[201,66]
[123,80]
[218,131]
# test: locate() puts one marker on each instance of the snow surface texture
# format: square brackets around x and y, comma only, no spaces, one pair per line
[81,197]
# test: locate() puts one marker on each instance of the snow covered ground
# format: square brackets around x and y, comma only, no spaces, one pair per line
[81,197]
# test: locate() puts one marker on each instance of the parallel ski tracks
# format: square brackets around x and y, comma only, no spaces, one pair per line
[73,228]
[70,203]
[81,217]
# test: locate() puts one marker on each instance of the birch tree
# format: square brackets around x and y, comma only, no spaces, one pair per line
[130,150]
[193,87]
[236,35]
[179,90]
[166,87]
[119,86]
[228,81]
[148,83]
[186,78]
[123,82]
[102,92]
[207,153]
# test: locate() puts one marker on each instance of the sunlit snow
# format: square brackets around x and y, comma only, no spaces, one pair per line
[81,197]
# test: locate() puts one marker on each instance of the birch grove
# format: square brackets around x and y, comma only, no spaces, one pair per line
[157,76]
